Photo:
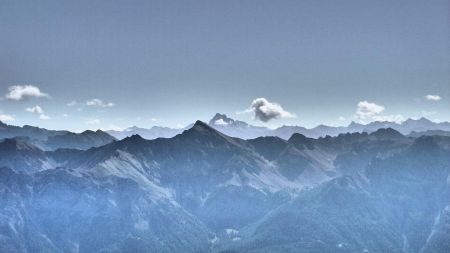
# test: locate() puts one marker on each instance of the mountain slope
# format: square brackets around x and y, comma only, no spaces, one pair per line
[204,191]
[398,204]
[52,139]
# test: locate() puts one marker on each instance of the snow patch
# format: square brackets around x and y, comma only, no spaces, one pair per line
[231,231]
[141,224]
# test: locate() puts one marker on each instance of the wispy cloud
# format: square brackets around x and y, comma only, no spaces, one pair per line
[99,103]
[391,118]
[266,111]
[21,92]
[425,113]
[38,111]
[94,121]
[433,97]
[72,103]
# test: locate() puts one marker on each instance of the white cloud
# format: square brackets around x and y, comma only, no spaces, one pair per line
[265,111]
[92,122]
[37,110]
[391,118]
[99,103]
[6,117]
[65,115]
[20,92]
[367,111]
[433,97]
[341,118]
[425,113]
[72,103]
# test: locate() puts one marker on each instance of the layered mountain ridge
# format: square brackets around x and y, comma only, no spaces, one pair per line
[243,130]
[205,191]
[53,139]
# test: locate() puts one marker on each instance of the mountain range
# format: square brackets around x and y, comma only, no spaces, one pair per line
[244,130]
[53,139]
[205,191]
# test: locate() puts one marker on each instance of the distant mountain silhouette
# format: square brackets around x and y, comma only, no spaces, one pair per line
[52,139]
[243,130]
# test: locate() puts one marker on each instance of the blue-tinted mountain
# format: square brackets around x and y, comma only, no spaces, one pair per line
[53,139]
[83,140]
[397,204]
[152,133]
[205,191]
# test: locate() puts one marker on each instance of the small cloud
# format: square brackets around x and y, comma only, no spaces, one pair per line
[367,110]
[72,103]
[99,103]
[341,118]
[65,115]
[6,117]
[155,120]
[397,118]
[21,92]
[433,97]
[266,111]
[37,110]
[92,122]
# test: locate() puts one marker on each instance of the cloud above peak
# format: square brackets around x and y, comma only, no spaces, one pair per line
[99,103]
[266,111]
[367,111]
[21,92]
[433,97]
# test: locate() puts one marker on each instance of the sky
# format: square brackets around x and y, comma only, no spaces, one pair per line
[111,64]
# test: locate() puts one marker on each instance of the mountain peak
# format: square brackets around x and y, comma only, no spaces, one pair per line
[200,126]
[421,120]
[387,133]
[222,120]
[202,129]
[135,137]
[301,140]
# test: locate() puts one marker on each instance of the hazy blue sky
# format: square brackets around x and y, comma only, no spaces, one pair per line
[172,62]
